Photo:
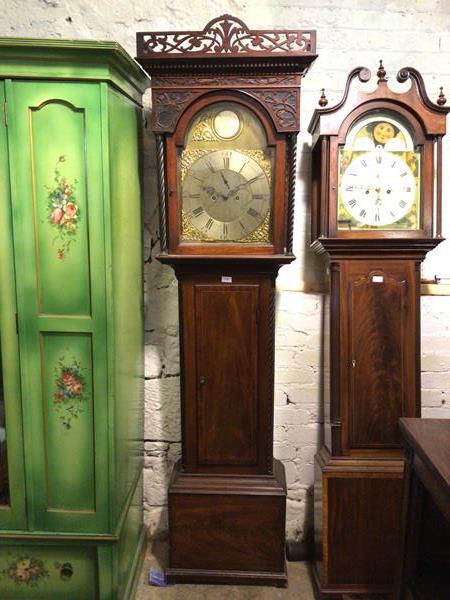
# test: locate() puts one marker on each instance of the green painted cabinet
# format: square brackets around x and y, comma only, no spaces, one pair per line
[71,332]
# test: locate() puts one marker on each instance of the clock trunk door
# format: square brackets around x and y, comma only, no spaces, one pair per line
[381,356]
[227,386]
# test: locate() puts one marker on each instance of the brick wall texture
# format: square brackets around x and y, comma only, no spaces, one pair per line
[349,33]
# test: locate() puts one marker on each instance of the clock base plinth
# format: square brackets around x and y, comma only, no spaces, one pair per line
[226,577]
[227,528]
[357,504]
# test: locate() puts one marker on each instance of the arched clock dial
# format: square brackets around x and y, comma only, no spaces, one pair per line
[378,188]
[225,195]
[379,175]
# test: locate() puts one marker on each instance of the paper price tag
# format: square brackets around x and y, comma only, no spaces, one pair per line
[377,279]
[226,279]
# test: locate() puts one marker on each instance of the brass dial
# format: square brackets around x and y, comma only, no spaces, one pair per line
[226,195]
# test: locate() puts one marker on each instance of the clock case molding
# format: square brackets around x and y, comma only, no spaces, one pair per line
[371,337]
[227,512]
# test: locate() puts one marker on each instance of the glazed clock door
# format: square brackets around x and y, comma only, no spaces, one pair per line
[379,318]
[12,486]
[56,161]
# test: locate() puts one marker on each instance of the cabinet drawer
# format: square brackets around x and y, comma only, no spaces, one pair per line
[40,573]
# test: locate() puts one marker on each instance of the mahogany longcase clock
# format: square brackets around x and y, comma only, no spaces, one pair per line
[376,212]
[226,106]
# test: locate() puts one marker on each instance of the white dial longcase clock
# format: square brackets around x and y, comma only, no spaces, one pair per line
[376,212]
[226,115]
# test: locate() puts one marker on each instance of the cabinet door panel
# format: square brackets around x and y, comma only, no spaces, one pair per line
[60,207]
[56,165]
[68,407]
[380,355]
[227,349]
[12,486]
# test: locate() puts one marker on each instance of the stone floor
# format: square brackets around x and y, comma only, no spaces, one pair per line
[299,587]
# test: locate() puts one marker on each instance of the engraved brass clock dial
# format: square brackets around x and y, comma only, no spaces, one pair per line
[379,176]
[226,177]
[226,195]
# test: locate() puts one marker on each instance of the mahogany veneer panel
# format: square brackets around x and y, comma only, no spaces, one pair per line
[357,509]
[363,526]
[225,524]
[377,323]
[227,532]
[227,354]
[226,334]
[378,347]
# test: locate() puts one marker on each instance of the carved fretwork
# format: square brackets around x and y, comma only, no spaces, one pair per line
[225,35]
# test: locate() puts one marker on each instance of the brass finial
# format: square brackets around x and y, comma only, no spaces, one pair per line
[381,73]
[441,98]
[323,100]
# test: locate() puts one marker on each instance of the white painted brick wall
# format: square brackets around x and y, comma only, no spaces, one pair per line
[349,33]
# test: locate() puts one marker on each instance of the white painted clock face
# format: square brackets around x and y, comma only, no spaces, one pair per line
[378,188]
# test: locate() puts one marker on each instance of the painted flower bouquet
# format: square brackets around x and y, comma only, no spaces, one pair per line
[26,570]
[64,212]
[70,392]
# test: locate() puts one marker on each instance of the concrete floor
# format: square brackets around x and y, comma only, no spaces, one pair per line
[300,586]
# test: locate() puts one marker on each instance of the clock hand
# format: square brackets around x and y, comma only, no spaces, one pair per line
[213,192]
[224,180]
[241,185]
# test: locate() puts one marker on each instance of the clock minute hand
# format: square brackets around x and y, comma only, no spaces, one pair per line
[241,185]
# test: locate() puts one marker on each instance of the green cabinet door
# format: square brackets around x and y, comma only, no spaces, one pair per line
[55,144]
[12,488]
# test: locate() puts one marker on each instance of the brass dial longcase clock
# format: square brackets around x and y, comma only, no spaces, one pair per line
[376,212]
[226,104]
